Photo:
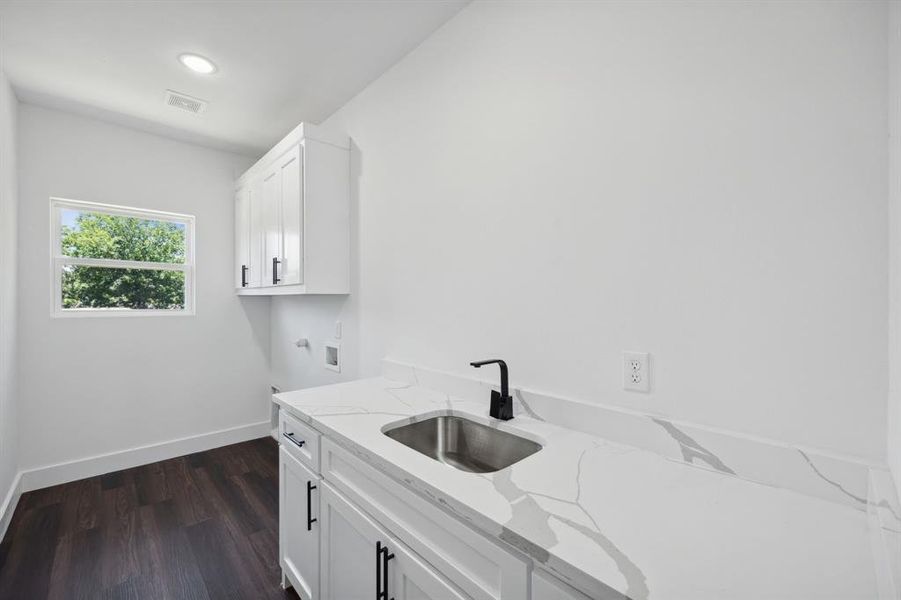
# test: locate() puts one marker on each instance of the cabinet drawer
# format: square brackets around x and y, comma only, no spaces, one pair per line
[478,566]
[299,439]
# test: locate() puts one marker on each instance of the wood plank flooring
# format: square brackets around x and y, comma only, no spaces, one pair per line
[197,527]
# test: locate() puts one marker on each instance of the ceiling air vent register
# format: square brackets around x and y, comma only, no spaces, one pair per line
[185,102]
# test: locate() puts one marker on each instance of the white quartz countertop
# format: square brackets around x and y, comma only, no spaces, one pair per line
[612,519]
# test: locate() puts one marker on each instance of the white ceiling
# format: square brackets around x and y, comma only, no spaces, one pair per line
[280,62]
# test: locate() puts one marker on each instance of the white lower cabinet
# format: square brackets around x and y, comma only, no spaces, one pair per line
[349,532]
[361,561]
[479,568]
[298,512]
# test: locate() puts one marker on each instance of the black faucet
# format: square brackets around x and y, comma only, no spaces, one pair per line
[501,402]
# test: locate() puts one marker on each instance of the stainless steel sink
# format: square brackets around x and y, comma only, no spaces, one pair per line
[464,444]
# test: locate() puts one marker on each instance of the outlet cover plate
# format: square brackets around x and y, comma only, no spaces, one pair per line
[636,372]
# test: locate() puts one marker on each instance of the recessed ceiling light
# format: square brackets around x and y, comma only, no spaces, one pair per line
[197,63]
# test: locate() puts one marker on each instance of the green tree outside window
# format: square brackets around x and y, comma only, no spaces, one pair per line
[105,236]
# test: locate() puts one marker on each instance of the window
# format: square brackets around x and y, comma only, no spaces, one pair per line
[120,261]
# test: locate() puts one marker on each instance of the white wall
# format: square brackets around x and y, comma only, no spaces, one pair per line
[553,183]
[8,323]
[894,156]
[313,318]
[93,386]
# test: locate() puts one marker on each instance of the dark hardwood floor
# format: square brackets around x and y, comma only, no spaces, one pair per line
[197,527]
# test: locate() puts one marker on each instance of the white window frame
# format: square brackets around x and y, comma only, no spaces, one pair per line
[58,260]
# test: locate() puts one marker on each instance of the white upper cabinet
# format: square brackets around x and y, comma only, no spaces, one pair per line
[293,218]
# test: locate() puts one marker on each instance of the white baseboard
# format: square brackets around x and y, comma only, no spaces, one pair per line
[9,504]
[41,477]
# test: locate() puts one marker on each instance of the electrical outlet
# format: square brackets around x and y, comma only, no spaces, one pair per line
[636,372]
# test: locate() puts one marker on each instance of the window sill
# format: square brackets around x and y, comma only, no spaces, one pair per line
[92,313]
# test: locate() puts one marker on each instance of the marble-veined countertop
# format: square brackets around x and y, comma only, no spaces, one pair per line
[610,519]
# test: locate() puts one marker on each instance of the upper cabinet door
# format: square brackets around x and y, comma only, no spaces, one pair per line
[255,235]
[291,172]
[272,227]
[242,238]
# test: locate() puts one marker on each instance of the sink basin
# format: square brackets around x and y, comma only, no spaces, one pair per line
[464,444]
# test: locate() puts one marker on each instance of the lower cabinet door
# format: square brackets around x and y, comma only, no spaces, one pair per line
[360,561]
[298,512]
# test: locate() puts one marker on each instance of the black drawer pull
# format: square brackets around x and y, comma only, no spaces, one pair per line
[243,275]
[295,441]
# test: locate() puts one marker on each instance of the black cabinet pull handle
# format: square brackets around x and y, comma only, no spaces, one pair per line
[275,263]
[243,275]
[385,571]
[310,519]
[382,556]
[291,438]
